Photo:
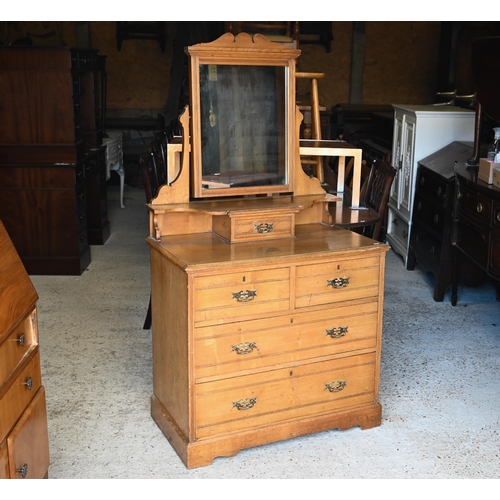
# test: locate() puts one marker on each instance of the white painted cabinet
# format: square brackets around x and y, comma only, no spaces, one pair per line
[419,130]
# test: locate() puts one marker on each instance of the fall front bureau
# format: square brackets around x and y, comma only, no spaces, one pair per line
[266,340]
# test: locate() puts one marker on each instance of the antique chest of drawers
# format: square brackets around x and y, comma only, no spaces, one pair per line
[24,447]
[265,340]
[430,241]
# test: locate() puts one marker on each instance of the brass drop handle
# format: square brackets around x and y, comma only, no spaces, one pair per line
[244,347]
[21,339]
[338,282]
[264,228]
[29,383]
[336,386]
[337,333]
[479,208]
[245,295]
[245,404]
[23,471]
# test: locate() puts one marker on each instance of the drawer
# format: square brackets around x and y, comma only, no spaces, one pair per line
[28,443]
[223,350]
[474,205]
[431,215]
[16,346]
[398,228]
[252,401]
[256,226]
[474,241]
[239,294]
[337,281]
[426,245]
[432,187]
[496,215]
[19,395]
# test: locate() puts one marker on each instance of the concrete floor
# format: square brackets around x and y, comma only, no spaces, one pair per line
[440,375]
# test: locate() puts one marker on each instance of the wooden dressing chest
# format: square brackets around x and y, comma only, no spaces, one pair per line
[266,321]
[24,446]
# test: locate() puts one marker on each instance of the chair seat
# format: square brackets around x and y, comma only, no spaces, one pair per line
[345,217]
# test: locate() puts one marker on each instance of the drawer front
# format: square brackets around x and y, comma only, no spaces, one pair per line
[431,215]
[19,395]
[432,186]
[473,239]
[252,401]
[226,349]
[28,443]
[13,349]
[426,245]
[337,281]
[474,206]
[241,294]
[398,228]
[259,228]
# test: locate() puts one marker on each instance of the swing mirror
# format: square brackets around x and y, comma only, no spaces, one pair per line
[242,117]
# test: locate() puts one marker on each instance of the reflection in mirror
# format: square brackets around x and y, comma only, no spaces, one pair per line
[243,125]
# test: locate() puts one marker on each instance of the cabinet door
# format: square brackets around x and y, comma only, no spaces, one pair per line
[396,155]
[406,172]
[28,443]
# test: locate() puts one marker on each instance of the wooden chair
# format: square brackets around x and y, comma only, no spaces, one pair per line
[154,174]
[375,195]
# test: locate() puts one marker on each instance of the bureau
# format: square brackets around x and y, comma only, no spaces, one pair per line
[419,130]
[266,320]
[431,236]
[24,446]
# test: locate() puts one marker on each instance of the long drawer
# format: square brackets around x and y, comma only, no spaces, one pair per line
[231,405]
[224,350]
[224,296]
[337,281]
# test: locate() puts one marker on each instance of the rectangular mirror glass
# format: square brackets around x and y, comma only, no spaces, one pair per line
[243,120]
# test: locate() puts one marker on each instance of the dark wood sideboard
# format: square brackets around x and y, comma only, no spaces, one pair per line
[53,198]
[476,234]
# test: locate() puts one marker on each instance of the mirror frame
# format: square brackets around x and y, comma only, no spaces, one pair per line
[251,51]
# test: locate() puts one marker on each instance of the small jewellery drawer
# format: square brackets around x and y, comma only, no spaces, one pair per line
[223,350]
[16,346]
[241,294]
[337,281]
[255,225]
[19,395]
[234,404]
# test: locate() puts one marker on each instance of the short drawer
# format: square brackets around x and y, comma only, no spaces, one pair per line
[474,205]
[337,281]
[223,350]
[19,394]
[241,294]
[397,228]
[432,186]
[16,346]
[260,225]
[431,215]
[426,245]
[251,401]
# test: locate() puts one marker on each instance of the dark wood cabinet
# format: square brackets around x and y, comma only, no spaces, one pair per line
[53,198]
[431,233]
